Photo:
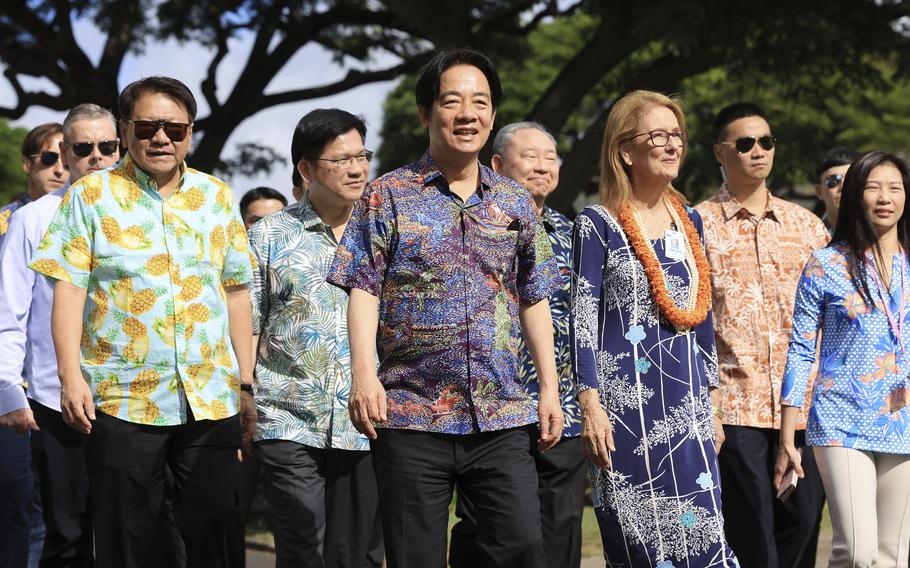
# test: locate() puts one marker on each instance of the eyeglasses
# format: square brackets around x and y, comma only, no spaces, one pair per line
[48,158]
[106,147]
[746,143]
[661,138]
[145,129]
[342,163]
[833,180]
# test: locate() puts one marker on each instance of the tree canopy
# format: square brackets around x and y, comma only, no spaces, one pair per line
[37,40]
[829,72]
[12,178]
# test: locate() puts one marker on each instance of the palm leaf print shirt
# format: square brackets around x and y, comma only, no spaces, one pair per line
[155,333]
[450,275]
[559,231]
[303,372]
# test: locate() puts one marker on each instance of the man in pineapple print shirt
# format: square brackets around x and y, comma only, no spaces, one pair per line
[150,263]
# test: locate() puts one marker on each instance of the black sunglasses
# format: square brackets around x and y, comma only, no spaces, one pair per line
[47,157]
[833,180]
[106,147]
[746,143]
[145,129]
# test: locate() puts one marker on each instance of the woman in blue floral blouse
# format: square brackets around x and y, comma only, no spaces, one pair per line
[856,292]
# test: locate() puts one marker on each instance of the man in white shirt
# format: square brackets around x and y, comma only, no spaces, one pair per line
[89,143]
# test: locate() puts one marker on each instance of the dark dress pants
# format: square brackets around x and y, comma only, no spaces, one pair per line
[561,489]
[16,487]
[324,506]
[200,525]
[762,531]
[417,472]
[64,485]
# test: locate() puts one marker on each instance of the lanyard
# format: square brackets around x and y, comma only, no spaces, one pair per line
[895,324]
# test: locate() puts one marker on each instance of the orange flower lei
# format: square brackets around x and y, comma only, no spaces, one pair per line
[700,302]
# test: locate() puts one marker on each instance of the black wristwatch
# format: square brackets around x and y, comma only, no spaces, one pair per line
[246,387]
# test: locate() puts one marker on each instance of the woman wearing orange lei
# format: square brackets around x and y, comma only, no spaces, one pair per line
[643,349]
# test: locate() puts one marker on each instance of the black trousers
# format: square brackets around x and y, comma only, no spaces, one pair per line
[417,472]
[324,506]
[561,490]
[64,485]
[762,531]
[16,488]
[202,525]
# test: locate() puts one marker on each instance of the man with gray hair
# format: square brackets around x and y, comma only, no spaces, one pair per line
[526,152]
[89,143]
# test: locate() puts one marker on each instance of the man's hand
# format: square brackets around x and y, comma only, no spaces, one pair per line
[551,422]
[367,404]
[719,435]
[596,430]
[76,404]
[247,423]
[21,420]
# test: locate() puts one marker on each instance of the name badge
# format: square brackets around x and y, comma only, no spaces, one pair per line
[675,245]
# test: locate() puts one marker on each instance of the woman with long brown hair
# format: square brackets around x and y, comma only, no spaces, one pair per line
[643,349]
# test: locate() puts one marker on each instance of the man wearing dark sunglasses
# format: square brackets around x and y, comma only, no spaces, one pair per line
[90,140]
[44,170]
[829,177]
[151,259]
[757,245]
[57,456]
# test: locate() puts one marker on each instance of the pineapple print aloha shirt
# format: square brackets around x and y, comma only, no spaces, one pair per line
[155,327]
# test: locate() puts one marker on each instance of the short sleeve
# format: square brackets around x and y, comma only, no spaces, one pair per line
[538,268]
[67,250]
[362,256]
[807,320]
[238,261]
[259,291]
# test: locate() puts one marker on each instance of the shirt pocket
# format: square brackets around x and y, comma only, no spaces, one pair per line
[495,246]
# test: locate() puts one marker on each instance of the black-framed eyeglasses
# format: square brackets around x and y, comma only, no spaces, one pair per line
[47,158]
[745,143]
[363,158]
[833,180]
[106,147]
[146,129]
[661,138]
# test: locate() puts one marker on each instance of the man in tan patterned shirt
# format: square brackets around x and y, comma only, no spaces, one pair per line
[757,245]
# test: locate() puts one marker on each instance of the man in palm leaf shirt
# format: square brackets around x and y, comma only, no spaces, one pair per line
[322,490]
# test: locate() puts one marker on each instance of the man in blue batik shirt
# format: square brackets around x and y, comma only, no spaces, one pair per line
[526,152]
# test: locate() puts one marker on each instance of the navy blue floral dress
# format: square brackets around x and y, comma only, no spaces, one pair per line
[659,504]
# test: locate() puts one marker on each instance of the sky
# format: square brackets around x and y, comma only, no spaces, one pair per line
[311,66]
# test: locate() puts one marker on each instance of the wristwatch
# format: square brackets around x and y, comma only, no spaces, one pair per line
[246,387]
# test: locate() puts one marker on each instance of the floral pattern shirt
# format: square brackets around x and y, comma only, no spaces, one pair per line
[559,231]
[303,371]
[755,266]
[155,332]
[861,390]
[450,275]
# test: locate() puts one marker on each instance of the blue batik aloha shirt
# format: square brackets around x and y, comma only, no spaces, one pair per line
[861,390]
[155,332]
[450,275]
[559,231]
[303,371]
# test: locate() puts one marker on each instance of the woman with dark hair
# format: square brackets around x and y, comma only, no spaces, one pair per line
[856,292]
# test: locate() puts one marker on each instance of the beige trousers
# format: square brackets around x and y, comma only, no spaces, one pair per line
[869,500]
